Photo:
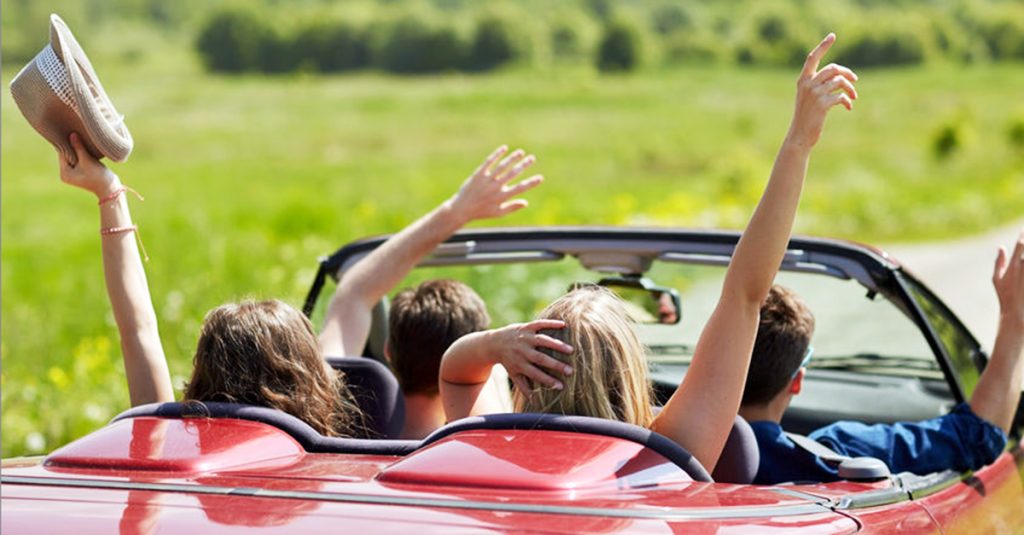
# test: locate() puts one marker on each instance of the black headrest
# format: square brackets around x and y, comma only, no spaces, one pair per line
[579,424]
[305,435]
[376,391]
[740,457]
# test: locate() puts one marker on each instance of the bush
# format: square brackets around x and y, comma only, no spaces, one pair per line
[333,47]
[414,47]
[232,41]
[493,45]
[565,42]
[770,37]
[668,19]
[277,53]
[619,49]
[881,47]
[1015,133]
[1004,36]
[690,48]
[951,137]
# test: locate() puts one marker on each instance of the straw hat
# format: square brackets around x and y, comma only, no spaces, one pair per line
[59,93]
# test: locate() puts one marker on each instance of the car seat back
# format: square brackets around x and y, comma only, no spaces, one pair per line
[306,436]
[376,392]
[740,457]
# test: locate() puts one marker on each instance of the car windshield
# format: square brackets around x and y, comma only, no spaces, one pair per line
[852,330]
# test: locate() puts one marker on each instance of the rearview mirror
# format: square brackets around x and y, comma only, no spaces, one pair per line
[647,302]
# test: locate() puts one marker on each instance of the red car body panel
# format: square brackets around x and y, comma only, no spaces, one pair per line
[198,475]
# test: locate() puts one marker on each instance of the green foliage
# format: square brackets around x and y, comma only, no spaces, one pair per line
[1004,35]
[493,45]
[565,42]
[668,19]
[234,40]
[619,49]
[1015,133]
[951,137]
[333,47]
[877,47]
[415,47]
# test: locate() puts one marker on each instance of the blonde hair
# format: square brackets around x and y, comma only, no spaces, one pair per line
[609,378]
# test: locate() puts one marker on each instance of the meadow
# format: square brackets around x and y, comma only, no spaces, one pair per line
[248,179]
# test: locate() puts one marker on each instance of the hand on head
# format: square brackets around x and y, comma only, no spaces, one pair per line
[488,193]
[817,92]
[1008,279]
[517,346]
[88,174]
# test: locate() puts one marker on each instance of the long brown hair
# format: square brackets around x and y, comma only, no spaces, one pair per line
[265,353]
[609,378]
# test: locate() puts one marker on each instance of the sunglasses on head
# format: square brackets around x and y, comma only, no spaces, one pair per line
[807,359]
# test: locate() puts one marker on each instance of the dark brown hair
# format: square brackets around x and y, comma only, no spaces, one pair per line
[423,322]
[265,353]
[783,336]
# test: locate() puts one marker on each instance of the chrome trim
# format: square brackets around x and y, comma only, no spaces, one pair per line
[660,513]
[921,486]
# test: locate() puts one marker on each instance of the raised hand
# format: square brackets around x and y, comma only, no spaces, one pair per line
[1008,279]
[488,193]
[88,174]
[817,92]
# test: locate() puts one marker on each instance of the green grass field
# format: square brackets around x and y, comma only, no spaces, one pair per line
[247,180]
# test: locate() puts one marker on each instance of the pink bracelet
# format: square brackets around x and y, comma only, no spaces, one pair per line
[117,193]
[110,231]
[117,230]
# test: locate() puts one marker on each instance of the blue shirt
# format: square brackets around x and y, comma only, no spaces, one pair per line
[959,440]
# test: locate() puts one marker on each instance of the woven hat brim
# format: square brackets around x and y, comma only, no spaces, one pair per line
[103,125]
[48,114]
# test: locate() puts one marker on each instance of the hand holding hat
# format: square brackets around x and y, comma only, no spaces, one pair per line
[58,92]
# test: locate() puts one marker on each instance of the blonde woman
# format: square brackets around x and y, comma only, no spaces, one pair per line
[582,357]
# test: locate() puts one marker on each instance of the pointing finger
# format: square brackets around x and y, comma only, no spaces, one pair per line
[814,58]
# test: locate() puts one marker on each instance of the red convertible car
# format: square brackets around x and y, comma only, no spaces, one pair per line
[886,350]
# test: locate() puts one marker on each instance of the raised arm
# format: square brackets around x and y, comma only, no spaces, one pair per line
[486,193]
[144,362]
[700,413]
[999,388]
[466,367]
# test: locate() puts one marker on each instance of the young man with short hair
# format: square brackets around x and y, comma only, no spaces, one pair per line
[970,436]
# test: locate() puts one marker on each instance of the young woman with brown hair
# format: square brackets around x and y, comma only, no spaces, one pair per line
[260,353]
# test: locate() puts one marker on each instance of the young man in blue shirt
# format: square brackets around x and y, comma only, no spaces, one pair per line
[970,436]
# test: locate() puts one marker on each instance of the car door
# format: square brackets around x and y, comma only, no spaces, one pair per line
[990,500]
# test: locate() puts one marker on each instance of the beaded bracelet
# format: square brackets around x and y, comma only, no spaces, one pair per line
[110,231]
[117,193]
